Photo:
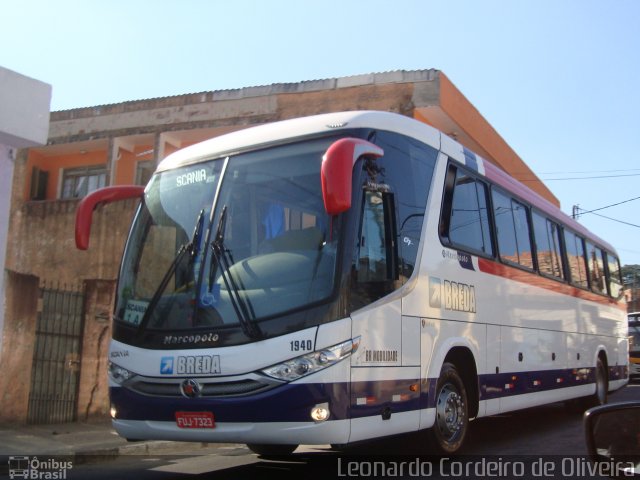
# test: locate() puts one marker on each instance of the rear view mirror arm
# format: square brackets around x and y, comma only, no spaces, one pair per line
[84,213]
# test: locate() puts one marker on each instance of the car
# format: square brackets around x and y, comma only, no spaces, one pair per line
[612,434]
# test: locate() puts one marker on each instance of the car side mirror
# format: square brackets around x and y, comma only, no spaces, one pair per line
[612,433]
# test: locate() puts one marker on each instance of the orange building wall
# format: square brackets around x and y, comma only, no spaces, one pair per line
[170,148]
[35,160]
[54,165]
[128,162]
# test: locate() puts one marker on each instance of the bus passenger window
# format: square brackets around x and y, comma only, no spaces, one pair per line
[469,223]
[512,226]
[615,281]
[547,235]
[576,260]
[597,277]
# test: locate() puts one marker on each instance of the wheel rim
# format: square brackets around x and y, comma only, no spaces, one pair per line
[450,414]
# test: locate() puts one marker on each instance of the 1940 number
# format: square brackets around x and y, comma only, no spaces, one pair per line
[301,345]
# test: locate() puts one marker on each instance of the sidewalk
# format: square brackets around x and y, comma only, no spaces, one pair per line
[81,441]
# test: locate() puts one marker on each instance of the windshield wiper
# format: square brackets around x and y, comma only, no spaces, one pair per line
[192,248]
[223,258]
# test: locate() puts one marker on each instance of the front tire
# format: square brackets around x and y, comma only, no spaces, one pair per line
[452,412]
[266,450]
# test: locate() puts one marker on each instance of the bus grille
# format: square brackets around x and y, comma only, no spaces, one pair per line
[209,389]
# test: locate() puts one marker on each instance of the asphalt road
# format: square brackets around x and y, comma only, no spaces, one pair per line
[543,442]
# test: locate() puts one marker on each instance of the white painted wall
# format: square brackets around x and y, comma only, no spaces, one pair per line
[24,122]
[6,175]
[24,110]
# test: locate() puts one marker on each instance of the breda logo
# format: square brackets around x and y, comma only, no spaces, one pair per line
[449,295]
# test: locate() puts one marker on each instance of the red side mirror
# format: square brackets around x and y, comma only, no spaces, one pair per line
[88,204]
[337,171]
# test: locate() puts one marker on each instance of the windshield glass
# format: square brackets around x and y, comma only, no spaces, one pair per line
[273,251]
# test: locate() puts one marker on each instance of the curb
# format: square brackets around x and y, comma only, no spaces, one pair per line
[155,447]
[96,455]
[160,446]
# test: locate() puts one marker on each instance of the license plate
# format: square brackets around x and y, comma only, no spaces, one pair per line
[195,420]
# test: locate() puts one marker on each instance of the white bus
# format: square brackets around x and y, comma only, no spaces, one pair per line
[349,276]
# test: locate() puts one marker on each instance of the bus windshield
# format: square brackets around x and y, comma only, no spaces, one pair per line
[266,247]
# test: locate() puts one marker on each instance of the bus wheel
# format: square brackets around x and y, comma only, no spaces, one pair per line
[452,418]
[266,450]
[602,386]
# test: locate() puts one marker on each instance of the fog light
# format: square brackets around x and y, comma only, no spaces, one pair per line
[320,413]
[113,412]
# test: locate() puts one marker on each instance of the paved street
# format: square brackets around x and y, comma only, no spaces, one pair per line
[548,436]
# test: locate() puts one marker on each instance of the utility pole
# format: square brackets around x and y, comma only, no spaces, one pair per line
[575,213]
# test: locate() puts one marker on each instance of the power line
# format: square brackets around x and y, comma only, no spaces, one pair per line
[539,177]
[585,178]
[609,206]
[615,220]
[590,171]
[567,172]
[577,211]
[635,252]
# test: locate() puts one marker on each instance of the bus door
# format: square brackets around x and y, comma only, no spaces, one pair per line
[383,375]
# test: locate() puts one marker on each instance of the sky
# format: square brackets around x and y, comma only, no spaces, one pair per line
[559,80]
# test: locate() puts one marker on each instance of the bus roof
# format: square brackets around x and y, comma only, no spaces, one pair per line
[277,132]
[503,179]
[269,133]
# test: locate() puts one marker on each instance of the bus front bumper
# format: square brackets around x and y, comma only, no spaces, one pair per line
[281,415]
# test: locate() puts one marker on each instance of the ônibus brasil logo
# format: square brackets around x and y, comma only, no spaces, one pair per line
[33,468]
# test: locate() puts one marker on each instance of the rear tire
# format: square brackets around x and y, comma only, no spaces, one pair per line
[266,450]
[600,396]
[452,412]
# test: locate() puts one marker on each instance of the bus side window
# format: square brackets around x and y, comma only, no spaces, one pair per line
[465,222]
[512,229]
[377,243]
[375,262]
[597,277]
[407,167]
[549,253]
[576,259]
[613,275]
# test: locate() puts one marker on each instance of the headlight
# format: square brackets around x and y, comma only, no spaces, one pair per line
[118,374]
[312,362]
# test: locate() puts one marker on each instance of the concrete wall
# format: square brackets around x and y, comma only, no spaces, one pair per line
[42,241]
[18,343]
[93,395]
